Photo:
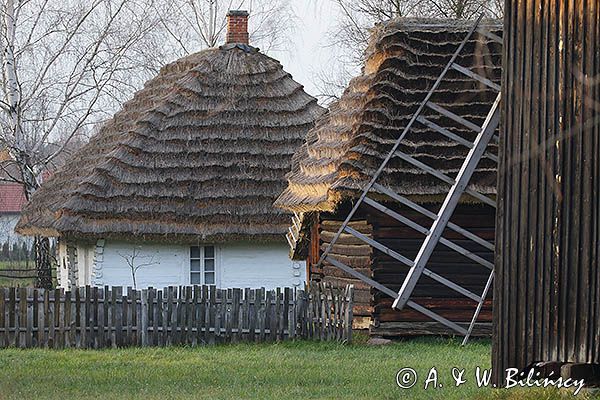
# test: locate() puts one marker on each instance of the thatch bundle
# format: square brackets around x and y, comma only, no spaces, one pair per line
[201,151]
[404,58]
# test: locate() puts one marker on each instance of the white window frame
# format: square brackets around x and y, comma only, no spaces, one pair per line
[202,259]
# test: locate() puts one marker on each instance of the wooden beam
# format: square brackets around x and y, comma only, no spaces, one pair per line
[477,77]
[445,132]
[424,231]
[392,294]
[449,205]
[453,116]
[490,35]
[443,177]
[403,200]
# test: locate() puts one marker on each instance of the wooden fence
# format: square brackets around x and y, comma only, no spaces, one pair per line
[91,317]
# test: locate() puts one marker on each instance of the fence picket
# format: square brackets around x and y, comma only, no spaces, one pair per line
[92,317]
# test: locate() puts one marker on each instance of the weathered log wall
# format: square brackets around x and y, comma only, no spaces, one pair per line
[373,309]
[353,253]
[446,262]
[547,292]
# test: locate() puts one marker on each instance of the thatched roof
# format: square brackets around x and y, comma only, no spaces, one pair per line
[404,58]
[200,152]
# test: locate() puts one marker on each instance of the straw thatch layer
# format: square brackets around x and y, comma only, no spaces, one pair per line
[404,58]
[201,151]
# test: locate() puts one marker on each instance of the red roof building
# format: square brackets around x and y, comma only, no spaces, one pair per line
[12,198]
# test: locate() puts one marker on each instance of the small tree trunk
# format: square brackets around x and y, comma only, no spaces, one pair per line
[43,262]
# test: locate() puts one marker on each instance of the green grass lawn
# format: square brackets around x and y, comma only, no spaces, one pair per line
[303,370]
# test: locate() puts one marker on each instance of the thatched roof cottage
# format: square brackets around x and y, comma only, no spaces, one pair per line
[342,152]
[182,180]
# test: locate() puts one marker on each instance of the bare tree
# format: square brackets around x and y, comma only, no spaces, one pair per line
[350,36]
[67,65]
[196,24]
[135,261]
[63,65]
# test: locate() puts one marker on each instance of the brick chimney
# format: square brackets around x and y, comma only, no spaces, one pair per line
[237,26]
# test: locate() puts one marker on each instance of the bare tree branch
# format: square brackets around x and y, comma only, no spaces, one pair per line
[350,36]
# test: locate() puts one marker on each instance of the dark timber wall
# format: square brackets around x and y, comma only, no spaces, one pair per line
[547,290]
[444,261]
[371,308]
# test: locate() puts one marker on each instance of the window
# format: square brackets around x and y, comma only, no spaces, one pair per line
[203,265]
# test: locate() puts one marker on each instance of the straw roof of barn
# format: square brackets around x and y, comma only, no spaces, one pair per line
[200,152]
[403,59]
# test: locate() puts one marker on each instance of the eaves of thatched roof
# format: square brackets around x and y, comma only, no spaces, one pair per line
[200,152]
[404,58]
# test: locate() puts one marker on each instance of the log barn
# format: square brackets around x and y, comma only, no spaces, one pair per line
[547,292]
[180,183]
[404,58]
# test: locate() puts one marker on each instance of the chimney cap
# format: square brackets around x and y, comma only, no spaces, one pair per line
[237,13]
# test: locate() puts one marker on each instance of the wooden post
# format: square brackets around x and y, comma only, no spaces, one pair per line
[144,318]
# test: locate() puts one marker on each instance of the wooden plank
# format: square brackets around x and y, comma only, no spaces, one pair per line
[454,117]
[99,300]
[458,139]
[348,314]
[431,215]
[12,317]
[116,316]
[36,304]
[218,313]
[45,319]
[79,317]
[128,301]
[449,205]
[236,315]
[203,316]
[490,35]
[52,317]
[245,315]
[60,314]
[88,327]
[22,317]
[252,314]
[3,319]
[211,315]
[67,315]
[144,318]
[178,325]
[287,313]
[108,319]
[379,246]
[167,310]
[195,315]
[28,317]
[159,316]
[476,77]
[479,308]
[262,315]
[189,315]
[152,333]
[444,177]
[425,231]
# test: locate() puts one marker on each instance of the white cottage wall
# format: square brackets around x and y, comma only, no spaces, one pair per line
[240,264]
[255,265]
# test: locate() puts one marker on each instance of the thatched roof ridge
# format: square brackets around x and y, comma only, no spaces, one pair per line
[404,58]
[199,153]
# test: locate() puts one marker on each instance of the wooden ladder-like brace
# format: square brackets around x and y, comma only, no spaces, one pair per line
[441,220]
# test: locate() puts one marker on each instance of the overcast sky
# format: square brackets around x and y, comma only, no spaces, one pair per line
[309,52]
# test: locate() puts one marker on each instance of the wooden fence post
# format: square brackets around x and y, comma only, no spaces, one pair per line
[144,319]
[107,317]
